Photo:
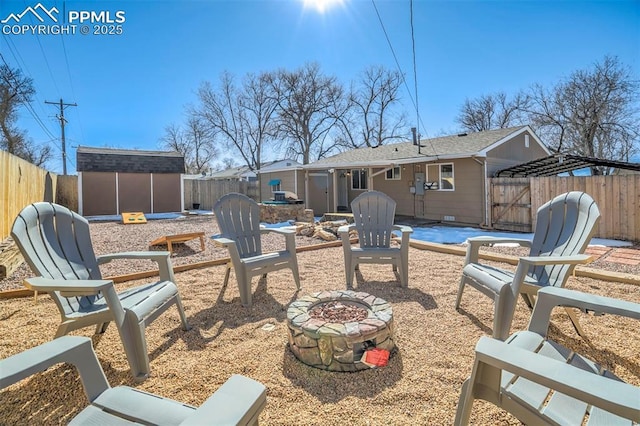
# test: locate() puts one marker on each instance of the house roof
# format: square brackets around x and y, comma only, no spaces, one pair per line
[90,159]
[559,163]
[231,173]
[446,147]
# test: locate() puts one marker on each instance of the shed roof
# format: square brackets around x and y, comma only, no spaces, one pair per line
[91,159]
[455,146]
[559,163]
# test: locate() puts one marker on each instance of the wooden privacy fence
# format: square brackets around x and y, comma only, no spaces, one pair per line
[21,183]
[205,192]
[515,201]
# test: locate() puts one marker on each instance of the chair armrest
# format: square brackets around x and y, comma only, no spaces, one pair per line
[403,229]
[474,244]
[277,231]
[156,256]
[576,259]
[345,229]
[611,395]
[68,288]
[238,401]
[75,350]
[223,242]
[163,258]
[551,297]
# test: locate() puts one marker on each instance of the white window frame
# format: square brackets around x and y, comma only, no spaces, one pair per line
[396,173]
[440,179]
[362,182]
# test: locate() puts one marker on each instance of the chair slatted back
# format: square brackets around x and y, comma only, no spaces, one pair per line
[564,227]
[238,218]
[374,215]
[56,243]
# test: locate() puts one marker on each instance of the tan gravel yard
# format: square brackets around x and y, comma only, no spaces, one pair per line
[420,385]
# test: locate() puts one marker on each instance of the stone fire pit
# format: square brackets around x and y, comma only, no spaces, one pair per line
[332,329]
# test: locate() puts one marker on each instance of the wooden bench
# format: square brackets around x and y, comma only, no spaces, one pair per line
[178,238]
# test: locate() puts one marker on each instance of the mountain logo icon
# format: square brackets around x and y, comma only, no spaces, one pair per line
[38,11]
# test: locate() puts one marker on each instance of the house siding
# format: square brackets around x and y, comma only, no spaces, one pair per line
[287,183]
[398,190]
[513,152]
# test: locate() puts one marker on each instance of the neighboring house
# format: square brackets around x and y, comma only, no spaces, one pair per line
[113,181]
[281,175]
[442,179]
[241,173]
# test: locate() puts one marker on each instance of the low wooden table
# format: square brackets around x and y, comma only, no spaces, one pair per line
[178,238]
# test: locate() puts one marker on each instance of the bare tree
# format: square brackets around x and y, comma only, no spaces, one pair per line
[594,112]
[16,89]
[371,119]
[244,116]
[308,104]
[493,111]
[196,142]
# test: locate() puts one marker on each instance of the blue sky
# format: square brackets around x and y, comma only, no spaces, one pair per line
[128,87]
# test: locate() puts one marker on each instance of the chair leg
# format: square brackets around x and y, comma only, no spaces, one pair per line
[63,329]
[244,287]
[460,290]
[102,327]
[135,346]
[574,320]
[465,403]
[226,275]
[296,273]
[183,318]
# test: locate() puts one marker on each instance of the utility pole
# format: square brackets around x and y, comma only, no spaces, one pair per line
[62,122]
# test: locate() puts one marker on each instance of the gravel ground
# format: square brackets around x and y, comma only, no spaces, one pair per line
[420,385]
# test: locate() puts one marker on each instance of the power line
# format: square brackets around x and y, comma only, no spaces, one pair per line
[27,104]
[384,30]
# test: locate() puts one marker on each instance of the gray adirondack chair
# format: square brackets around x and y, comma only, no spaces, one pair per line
[238,218]
[564,228]
[56,244]
[541,382]
[238,401]
[373,216]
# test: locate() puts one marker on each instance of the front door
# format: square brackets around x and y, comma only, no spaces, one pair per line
[318,193]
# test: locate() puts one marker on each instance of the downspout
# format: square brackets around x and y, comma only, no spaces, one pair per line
[334,184]
[306,189]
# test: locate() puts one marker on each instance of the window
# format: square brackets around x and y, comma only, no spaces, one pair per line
[440,177]
[446,177]
[358,179]
[274,184]
[393,174]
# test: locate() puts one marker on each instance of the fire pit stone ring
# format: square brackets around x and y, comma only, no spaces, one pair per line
[339,345]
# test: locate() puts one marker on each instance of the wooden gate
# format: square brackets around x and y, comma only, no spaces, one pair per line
[511,204]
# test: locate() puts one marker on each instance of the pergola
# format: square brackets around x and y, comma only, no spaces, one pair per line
[559,163]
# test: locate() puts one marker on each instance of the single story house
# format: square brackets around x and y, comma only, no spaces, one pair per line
[113,181]
[442,179]
[281,175]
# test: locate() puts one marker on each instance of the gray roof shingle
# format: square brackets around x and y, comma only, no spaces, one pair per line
[455,145]
[90,159]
